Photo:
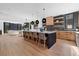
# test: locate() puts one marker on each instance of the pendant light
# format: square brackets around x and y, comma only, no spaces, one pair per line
[44,19]
[37,22]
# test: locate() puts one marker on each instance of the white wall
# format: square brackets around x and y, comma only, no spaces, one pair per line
[0,25]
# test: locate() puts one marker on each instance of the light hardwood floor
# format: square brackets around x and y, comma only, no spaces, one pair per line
[17,46]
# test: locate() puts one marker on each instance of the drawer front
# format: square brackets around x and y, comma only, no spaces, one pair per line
[66,35]
[71,36]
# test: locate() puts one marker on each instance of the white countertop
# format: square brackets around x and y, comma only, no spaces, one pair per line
[48,32]
[42,32]
[77,32]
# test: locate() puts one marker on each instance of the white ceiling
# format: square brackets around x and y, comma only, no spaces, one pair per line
[20,10]
[28,10]
[53,9]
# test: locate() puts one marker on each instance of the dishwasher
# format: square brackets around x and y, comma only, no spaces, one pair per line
[77,39]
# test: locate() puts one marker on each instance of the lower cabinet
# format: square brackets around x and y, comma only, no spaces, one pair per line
[66,35]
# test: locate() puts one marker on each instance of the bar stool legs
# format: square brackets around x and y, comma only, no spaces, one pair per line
[42,38]
[44,43]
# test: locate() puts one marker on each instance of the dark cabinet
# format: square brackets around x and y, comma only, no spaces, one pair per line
[6,27]
[68,21]
[71,21]
[75,19]
[11,26]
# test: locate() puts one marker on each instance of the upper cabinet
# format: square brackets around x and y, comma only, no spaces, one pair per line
[49,20]
[71,21]
[78,19]
[68,21]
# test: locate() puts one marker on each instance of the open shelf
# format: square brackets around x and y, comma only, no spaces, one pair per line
[59,22]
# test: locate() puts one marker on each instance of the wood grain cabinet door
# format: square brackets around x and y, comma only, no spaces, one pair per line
[62,36]
[58,35]
[70,36]
[66,35]
[49,20]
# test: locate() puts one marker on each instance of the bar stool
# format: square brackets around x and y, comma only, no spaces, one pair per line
[43,38]
[35,36]
[30,35]
[27,34]
[24,35]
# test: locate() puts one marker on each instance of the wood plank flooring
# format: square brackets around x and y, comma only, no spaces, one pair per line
[17,46]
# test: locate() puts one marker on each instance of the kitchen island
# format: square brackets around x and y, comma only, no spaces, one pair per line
[50,36]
